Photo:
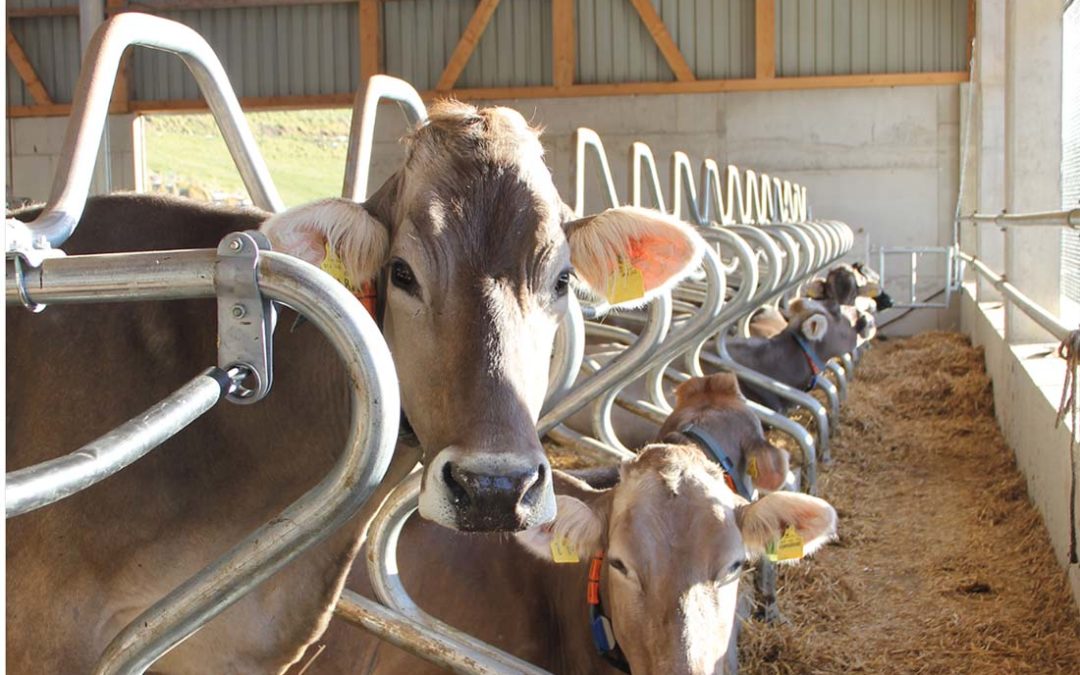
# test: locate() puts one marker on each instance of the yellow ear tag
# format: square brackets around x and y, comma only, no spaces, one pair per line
[333,266]
[751,467]
[790,547]
[562,551]
[625,283]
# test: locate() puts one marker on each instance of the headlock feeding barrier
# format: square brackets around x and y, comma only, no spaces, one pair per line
[761,247]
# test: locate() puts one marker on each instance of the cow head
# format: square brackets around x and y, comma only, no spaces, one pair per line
[476,253]
[674,539]
[716,404]
[828,329]
[844,283]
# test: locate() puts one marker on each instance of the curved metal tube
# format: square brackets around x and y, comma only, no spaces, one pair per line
[362,129]
[413,636]
[324,508]
[585,137]
[837,369]
[49,482]
[90,105]
[382,568]
[568,351]
[614,371]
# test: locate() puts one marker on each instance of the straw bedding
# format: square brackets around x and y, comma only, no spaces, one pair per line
[942,564]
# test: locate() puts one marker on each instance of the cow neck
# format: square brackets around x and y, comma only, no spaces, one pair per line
[714,449]
[812,359]
[603,635]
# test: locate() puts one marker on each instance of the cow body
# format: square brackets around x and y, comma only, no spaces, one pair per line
[77,371]
[672,536]
[816,333]
[474,247]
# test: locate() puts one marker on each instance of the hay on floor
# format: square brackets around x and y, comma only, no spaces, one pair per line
[942,565]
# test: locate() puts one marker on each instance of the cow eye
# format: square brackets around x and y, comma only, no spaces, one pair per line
[562,283]
[401,275]
[618,566]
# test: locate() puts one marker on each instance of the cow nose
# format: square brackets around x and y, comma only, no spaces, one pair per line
[487,493]
[494,501]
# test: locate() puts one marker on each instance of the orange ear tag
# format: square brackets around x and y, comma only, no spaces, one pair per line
[562,551]
[626,283]
[790,547]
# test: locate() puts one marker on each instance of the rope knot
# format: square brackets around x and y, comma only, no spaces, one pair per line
[1069,349]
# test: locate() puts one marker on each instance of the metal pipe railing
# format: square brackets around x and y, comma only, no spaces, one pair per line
[1047,321]
[48,482]
[382,568]
[90,107]
[1070,218]
[362,129]
[320,511]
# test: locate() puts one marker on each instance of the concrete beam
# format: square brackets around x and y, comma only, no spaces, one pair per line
[1033,157]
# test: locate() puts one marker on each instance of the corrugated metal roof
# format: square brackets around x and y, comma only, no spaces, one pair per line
[839,37]
[267,51]
[515,49]
[51,44]
[314,49]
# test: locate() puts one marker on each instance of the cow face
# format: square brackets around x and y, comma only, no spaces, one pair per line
[476,253]
[829,329]
[674,539]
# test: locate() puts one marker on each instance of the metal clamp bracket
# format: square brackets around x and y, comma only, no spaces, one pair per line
[245,317]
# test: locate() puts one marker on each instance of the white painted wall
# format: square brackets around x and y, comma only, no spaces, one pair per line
[884,160]
[33,154]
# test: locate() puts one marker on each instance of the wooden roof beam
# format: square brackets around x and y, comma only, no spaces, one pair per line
[465,46]
[26,70]
[663,40]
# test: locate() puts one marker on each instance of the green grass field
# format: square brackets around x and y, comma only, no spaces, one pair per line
[305,151]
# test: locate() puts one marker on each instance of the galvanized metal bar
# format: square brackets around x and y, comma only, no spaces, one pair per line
[413,636]
[48,482]
[375,410]
[382,567]
[362,128]
[1050,323]
[1070,218]
[836,367]
[90,107]
[585,138]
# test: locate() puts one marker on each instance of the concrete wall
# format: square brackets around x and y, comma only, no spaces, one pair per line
[885,160]
[1015,164]
[1027,387]
[33,154]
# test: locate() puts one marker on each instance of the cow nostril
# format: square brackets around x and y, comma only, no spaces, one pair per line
[457,490]
[535,492]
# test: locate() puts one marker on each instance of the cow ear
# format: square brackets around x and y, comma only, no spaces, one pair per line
[341,226]
[629,255]
[766,464]
[816,289]
[815,326]
[576,533]
[766,520]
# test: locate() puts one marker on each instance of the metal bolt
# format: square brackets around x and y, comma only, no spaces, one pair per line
[236,244]
[238,311]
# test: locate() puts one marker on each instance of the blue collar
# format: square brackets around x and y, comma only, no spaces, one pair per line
[712,446]
[816,365]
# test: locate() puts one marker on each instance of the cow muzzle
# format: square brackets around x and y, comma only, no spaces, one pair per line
[486,492]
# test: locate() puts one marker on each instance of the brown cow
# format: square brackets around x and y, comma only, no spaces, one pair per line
[817,332]
[671,538]
[843,285]
[711,412]
[476,250]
